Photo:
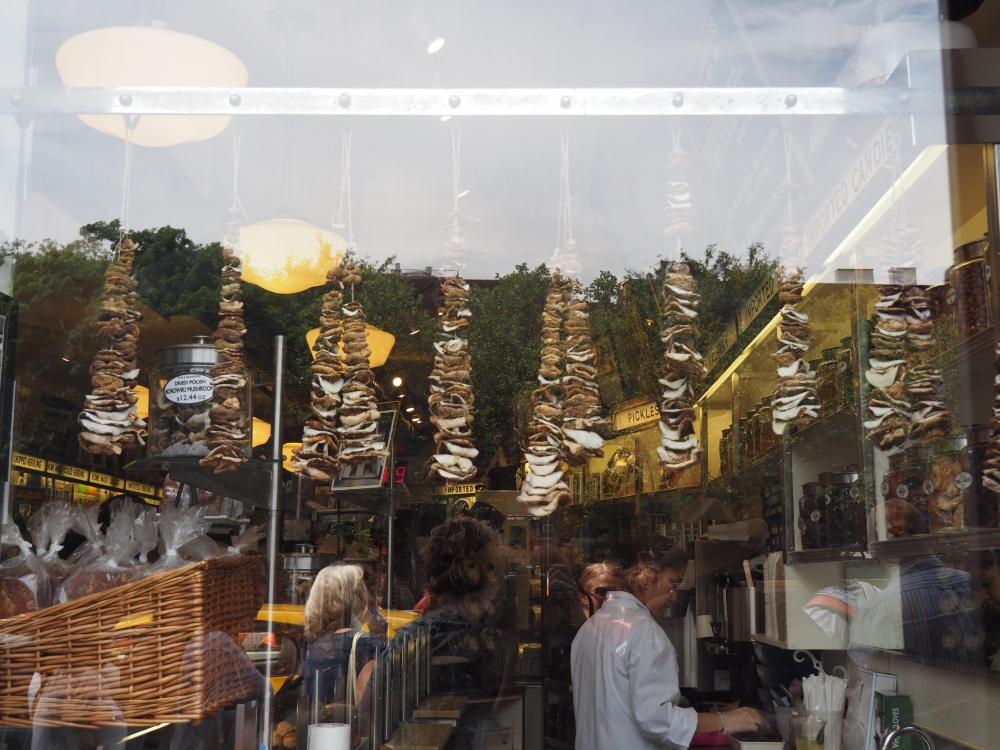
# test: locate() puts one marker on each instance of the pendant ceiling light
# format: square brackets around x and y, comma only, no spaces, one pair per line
[286,451]
[379,341]
[261,431]
[144,56]
[286,256]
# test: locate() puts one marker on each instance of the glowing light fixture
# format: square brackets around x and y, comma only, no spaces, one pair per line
[434,44]
[462,194]
[397,382]
[409,409]
[143,403]
[286,451]
[379,341]
[286,256]
[445,118]
[142,56]
[261,431]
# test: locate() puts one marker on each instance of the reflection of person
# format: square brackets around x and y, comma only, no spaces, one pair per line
[926,609]
[988,578]
[335,614]
[625,679]
[595,582]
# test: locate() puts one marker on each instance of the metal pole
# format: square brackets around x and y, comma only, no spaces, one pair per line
[273,523]
[9,487]
[390,512]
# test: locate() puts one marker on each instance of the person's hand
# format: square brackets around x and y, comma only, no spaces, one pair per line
[744,720]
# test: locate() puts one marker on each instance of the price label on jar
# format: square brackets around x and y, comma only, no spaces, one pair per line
[188,389]
[928,487]
[854,493]
[902,491]
[963,480]
[885,489]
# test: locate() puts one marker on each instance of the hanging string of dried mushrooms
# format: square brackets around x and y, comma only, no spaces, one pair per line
[929,419]
[796,398]
[229,432]
[581,394]
[317,458]
[682,369]
[110,418]
[543,489]
[360,440]
[451,398]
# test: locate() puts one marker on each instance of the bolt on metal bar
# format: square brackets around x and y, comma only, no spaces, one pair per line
[770,101]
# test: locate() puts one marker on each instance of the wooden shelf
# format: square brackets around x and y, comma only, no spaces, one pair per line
[771,454]
[769,641]
[833,554]
[821,425]
[970,540]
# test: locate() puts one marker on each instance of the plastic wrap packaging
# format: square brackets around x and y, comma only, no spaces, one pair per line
[48,528]
[87,524]
[246,542]
[206,548]
[24,583]
[114,567]
[178,526]
[146,533]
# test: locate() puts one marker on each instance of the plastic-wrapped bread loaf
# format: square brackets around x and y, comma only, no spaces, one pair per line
[796,398]
[682,368]
[581,394]
[543,490]
[317,458]
[109,420]
[229,432]
[360,440]
[451,398]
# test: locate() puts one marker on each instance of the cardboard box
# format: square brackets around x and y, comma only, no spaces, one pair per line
[892,711]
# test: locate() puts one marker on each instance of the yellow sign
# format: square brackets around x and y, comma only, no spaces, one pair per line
[24,461]
[70,472]
[106,480]
[636,416]
[458,489]
[142,489]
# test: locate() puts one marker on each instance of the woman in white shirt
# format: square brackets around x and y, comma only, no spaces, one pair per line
[625,679]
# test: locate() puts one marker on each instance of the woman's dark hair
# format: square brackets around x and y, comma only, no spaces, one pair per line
[460,558]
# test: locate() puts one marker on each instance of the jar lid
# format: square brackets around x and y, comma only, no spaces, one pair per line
[831,354]
[950,445]
[826,478]
[971,251]
[200,352]
[918,452]
[843,477]
[766,401]
[896,460]
[978,433]
[810,488]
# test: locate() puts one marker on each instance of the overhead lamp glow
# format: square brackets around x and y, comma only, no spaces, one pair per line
[141,56]
[462,194]
[260,432]
[409,409]
[286,451]
[397,381]
[379,341]
[445,118]
[434,44]
[287,256]
[142,405]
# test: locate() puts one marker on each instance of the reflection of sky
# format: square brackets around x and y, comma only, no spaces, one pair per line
[402,166]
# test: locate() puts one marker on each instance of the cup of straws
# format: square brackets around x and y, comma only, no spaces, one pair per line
[824,698]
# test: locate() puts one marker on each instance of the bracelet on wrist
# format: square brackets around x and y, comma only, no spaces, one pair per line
[725,729]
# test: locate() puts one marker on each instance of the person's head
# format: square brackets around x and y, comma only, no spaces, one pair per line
[337,593]
[595,582]
[655,583]
[461,562]
[989,580]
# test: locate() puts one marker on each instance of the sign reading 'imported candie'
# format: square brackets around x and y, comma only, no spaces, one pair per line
[635,416]
[188,389]
[877,153]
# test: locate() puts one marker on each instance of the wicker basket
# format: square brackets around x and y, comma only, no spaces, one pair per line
[153,651]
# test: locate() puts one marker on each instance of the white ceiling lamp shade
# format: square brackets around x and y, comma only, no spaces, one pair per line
[142,56]
[286,256]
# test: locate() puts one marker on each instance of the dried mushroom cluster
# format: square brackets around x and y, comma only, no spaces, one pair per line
[905,402]
[109,418]
[317,458]
[679,213]
[991,470]
[682,368]
[544,489]
[360,440]
[581,394]
[229,433]
[451,397]
[796,398]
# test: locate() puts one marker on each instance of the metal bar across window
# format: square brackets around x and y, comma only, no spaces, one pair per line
[769,101]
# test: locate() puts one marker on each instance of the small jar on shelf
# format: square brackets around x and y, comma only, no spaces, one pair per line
[947,503]
[845,366]
[845,508]
[726,452]
[812,516]
[828,377]
[981,510]
[915,486]
[970,286]
[767,438]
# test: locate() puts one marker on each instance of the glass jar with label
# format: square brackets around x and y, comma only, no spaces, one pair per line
[846,369]
[970,289]
[725,452]
[916,486]
[980,504]
[751,435]
[180,398]
[947,503]
[845,511]
[766,436]
[812,516]
[829,381]
[891,481]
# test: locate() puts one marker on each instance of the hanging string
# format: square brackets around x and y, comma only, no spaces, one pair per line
[345,189]
[237,145]
[564,232]
[456,172]
[130,125]
[788,175]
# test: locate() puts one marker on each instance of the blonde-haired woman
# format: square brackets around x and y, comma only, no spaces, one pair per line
[335,614]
